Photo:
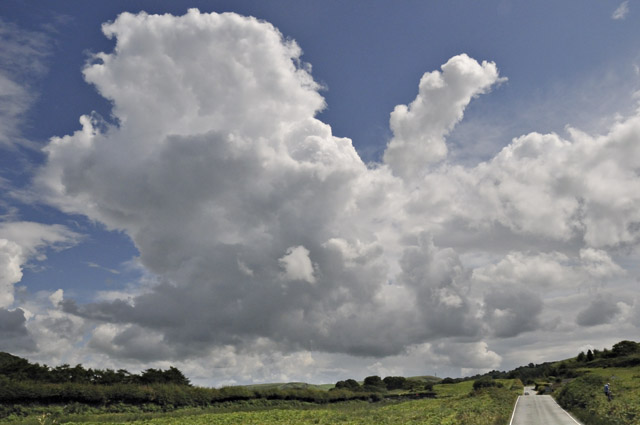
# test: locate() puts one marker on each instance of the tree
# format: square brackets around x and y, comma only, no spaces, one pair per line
[349,384]
[374,383]
[170,376]
[175,376]
[485,383]
[394,382]
[581,357]
[625,348]
[590,356]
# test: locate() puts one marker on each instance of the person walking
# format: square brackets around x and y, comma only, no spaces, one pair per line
[607,391]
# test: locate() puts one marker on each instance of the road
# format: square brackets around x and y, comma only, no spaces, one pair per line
[535,409]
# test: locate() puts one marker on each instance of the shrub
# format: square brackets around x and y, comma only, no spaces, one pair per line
[349,384]
[394,382]
[486,383]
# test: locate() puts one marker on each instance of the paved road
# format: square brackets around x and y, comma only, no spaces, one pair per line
[539,410]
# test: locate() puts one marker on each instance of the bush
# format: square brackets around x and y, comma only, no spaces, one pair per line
[373,384]
[486,383]
[579,392]
[395,382]
[349,384]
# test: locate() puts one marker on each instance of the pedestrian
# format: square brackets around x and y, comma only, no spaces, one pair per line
[607,391]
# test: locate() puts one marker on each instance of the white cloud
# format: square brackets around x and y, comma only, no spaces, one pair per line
[419,129]
[550,270]
[228,185]
[11,260]
[57,297]
[22,241]
[34,326]
[297,264]
[621,11]
[473,356]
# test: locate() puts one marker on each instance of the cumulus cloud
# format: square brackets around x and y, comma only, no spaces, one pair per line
[297,264]
[21,241]
[537,188]
[11,260]
[419,129]
[549,270]
[474,356]
[266,232]
[35,325]
[56,333]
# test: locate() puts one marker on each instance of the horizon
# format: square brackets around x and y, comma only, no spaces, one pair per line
[305,192]
[358,379]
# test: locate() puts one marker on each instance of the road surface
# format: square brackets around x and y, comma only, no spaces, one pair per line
[535,409]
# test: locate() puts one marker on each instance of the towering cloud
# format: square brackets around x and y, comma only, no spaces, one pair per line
[419,129]
[265,230]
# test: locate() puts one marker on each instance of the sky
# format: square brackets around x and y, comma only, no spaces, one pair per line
[314,191]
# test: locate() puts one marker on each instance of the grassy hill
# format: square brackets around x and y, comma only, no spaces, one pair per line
[290,386]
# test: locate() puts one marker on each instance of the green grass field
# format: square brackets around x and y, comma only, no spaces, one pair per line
[456,404]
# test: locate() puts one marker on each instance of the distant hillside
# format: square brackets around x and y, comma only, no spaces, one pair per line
[419,381]
[427,379]
[289,386]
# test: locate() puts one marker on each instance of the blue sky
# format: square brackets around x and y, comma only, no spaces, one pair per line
[305,210]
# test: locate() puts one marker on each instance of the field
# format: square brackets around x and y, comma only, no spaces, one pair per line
[455,404]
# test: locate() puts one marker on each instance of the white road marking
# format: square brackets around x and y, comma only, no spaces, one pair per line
[514,410]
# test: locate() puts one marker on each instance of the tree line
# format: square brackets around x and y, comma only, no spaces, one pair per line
[376,384]
[19,369]
[26,384]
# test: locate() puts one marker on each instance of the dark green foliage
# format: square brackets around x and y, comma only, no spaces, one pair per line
[373,381]
[19,369]
[625,348]
[14,367]
[373,384]
[349,384]
[579,392]
[395,382]
[590,356]
[581,357]
[486,383]
[170,376]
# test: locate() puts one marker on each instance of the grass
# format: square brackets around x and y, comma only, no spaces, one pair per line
[456,404]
